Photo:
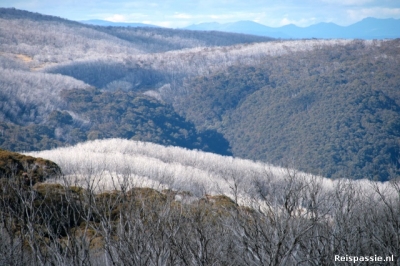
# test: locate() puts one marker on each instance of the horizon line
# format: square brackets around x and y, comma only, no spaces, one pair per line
[225,23]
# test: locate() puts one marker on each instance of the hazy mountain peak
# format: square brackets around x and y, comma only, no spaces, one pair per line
[243,26]
[368,28]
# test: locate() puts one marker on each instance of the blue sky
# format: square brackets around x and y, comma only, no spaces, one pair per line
[180,13]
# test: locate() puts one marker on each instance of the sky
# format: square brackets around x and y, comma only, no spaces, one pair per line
[181,13]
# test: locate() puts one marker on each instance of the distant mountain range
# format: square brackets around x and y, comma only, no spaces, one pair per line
[368,28]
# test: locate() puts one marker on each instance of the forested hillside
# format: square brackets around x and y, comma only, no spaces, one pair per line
[48,39]
[328,107]
[41,108]
[91,114]
[333,111]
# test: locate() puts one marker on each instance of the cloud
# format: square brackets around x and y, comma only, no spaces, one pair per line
[133,17]
[116,18]
[182,16]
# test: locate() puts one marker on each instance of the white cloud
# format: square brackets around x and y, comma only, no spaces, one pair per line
[169,24]
[117,18]
[182,16]
[133,17]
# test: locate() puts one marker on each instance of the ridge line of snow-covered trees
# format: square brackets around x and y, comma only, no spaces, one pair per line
[179,168]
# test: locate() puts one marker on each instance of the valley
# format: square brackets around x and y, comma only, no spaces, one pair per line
[325,106]
[154,146]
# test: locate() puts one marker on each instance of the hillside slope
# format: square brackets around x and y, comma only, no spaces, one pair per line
[327,107]
[47,39]
[89,114]
[30,169]
[116,163]
[333,111]
[42,108]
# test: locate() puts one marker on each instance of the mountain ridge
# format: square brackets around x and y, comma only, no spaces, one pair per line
[368,28]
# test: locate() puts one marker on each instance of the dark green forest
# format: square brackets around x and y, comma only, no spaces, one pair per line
[334,111]
[106,115]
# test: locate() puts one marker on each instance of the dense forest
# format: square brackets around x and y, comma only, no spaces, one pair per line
[333,112]
[327,107]
[93,114]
